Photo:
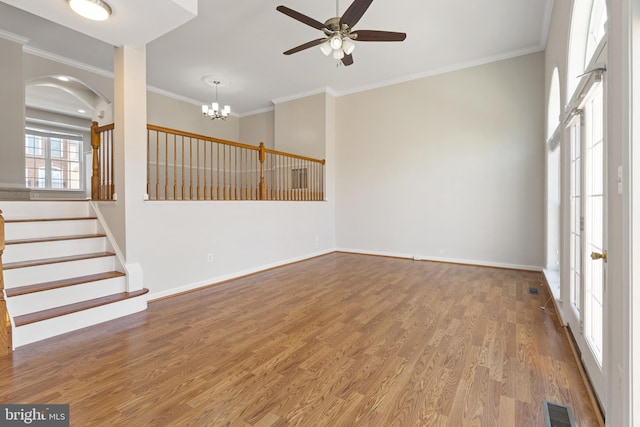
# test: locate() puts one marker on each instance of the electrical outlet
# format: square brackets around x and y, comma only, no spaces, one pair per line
[209,257]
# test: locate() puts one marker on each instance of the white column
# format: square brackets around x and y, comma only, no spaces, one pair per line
[130,132]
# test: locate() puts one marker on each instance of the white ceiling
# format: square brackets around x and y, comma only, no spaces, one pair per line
[241,42]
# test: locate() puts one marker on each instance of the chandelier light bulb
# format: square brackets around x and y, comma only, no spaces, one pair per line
[336,42]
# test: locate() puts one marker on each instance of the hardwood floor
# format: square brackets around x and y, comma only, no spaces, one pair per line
[340,340]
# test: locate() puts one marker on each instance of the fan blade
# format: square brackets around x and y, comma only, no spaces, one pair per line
[305,46]
[347,60]
[353,14]
[302,18]
[378,36]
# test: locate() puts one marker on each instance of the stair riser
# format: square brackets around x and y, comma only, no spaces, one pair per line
[44,229]
[59,271]
[42,250]
[44,209]
[59,325]
[38,301]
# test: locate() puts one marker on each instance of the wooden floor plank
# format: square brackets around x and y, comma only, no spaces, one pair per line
[340,340]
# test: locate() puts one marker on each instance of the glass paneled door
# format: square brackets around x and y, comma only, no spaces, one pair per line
[588,255]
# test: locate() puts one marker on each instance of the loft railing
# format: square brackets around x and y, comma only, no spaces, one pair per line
[102,184]
[187,166]
[5,322]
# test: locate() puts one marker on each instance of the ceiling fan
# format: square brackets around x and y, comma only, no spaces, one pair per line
[339,32]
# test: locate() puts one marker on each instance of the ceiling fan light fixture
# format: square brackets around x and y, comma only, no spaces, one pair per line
[326,48]
[336,42]
[348,45]
[338,54]
[96,10]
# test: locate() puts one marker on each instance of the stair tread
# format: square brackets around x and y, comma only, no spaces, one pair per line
[53,239]
[45,286]
[38,316]
[44,261]
[75,218]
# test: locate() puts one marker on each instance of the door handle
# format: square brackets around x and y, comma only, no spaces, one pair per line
[598,255]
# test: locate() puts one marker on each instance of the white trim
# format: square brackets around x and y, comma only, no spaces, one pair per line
[445,260]
[256,112]
[70,62]
[443,70]
[317,91]
[546,23]
[205,283]
[110,237]
[12,37]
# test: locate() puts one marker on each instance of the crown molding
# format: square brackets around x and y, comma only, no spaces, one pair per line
[12,37]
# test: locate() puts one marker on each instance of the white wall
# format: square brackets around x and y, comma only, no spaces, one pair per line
[11,118]
[243,237]
[175,114]
[258,128]
[446,167]
[300,126]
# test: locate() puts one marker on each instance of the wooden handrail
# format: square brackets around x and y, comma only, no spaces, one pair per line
[5,322]
[294,156]
[201,137]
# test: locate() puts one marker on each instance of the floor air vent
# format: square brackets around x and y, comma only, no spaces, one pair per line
[556,415]
[533,291]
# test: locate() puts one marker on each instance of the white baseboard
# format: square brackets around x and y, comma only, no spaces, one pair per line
[447,260]
[204,283]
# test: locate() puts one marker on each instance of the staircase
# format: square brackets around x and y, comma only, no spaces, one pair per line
[60,271]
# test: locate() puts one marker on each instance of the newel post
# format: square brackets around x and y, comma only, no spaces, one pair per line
[263,186]
[5,323]
[95,175]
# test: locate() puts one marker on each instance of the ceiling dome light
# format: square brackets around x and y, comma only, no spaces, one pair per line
[96,10]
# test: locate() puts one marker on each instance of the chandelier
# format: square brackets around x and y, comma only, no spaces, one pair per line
[213,111]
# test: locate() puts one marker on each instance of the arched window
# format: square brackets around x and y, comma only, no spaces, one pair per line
[588,28]
[597,28]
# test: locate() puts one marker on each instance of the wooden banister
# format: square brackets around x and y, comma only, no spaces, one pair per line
[263,185]
[188,166]
[5,322]
[95,174]
[102,168]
